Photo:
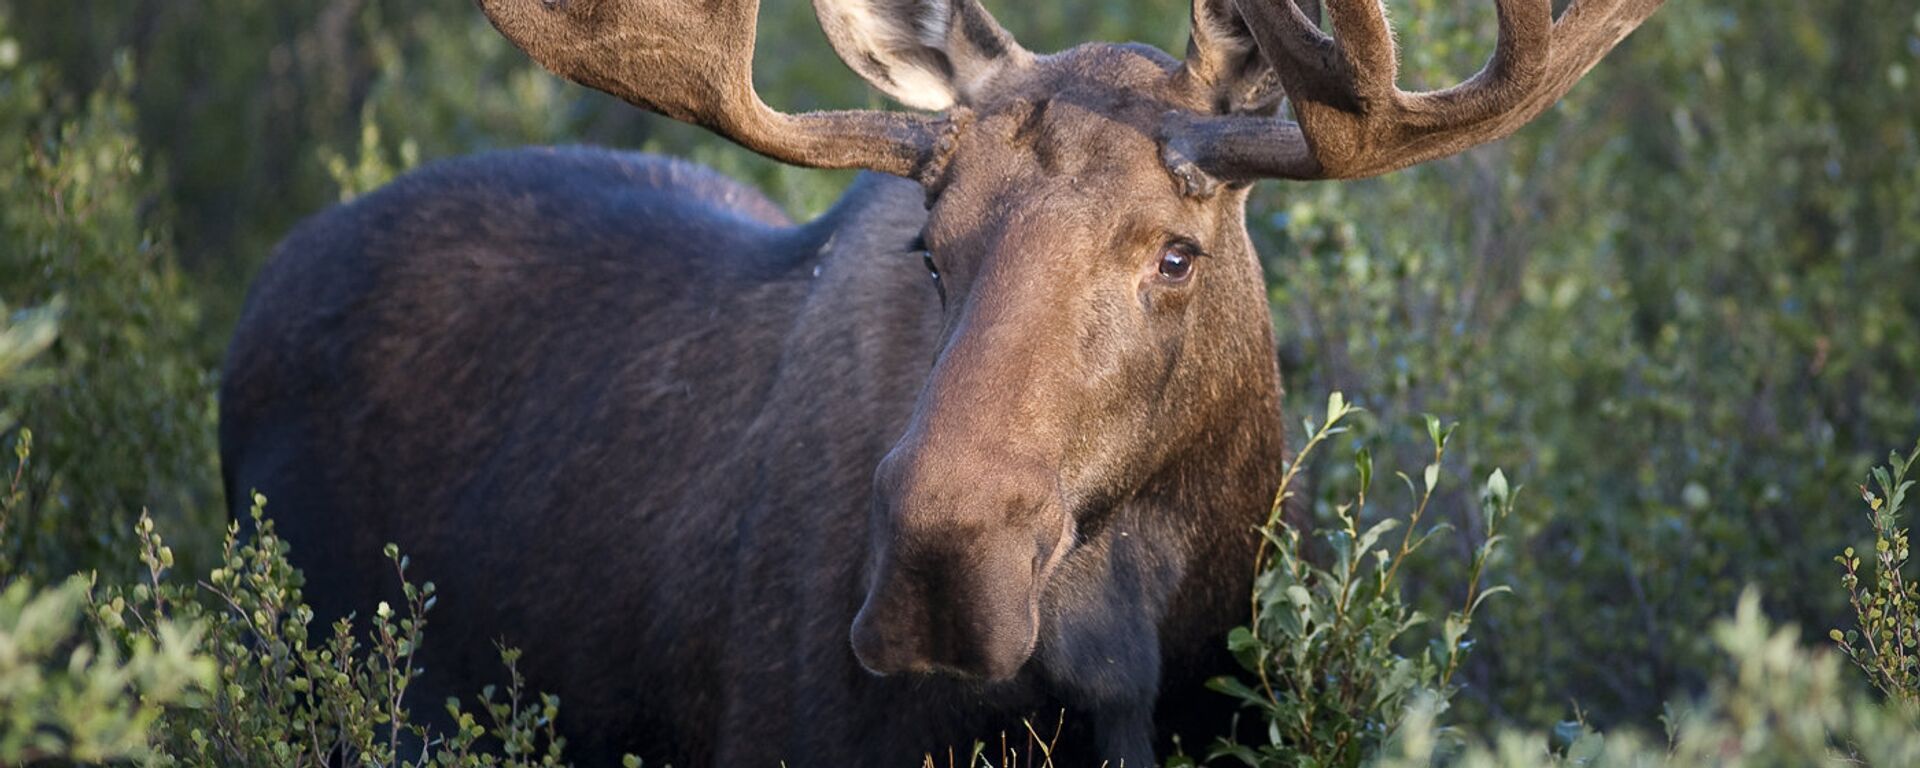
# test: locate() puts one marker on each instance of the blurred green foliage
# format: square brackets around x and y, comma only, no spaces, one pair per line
[1771,703]
[68,692]
[1681,308]
[121,396]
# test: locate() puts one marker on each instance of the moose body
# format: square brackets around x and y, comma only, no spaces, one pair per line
[626,418]
[986,443]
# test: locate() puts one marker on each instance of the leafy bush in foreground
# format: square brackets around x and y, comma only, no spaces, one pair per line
[1321,640]
[229,671]
[1334,691]
[231,674]
[69,691]
[1774,703]
[1886,645]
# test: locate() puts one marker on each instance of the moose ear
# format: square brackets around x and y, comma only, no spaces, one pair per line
[928,54]
[1223,58]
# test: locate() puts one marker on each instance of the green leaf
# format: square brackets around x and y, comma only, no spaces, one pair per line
[1898,495]
[1232,686]
[1587,749]
[1412,490]
[1240,639]
[1363,462]
[1454,628]
[1372,536]
[1501,589]
[1240,752]
[1342,545]
[1299,596]
[1437,529]
[1289,623]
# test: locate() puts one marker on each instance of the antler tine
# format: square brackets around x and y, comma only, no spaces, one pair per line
[693,61]
[1311,63]
[1519,61]
[1366,42]
[1355,122]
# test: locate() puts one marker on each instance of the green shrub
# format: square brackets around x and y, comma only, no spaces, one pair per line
[1324,643]
[1681,306]
[122,401]
[67,691]
[107,408]
[227,670]
[70,689]
[1772,702]
[1886,641]
[291,694]
[1333,691]
[230,672]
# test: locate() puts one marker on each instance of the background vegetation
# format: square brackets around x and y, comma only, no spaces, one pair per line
[1683,308]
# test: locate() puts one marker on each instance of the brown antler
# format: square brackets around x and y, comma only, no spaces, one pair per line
[1354,122]
[692,60]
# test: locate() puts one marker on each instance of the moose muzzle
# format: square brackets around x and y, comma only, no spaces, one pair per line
[957,572]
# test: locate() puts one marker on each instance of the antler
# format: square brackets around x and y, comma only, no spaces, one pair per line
[1354,122]
[693,61]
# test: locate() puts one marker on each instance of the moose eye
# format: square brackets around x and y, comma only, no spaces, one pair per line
[933,270]
[1176,261]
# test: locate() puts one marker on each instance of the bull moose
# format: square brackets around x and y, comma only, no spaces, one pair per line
[987,440]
